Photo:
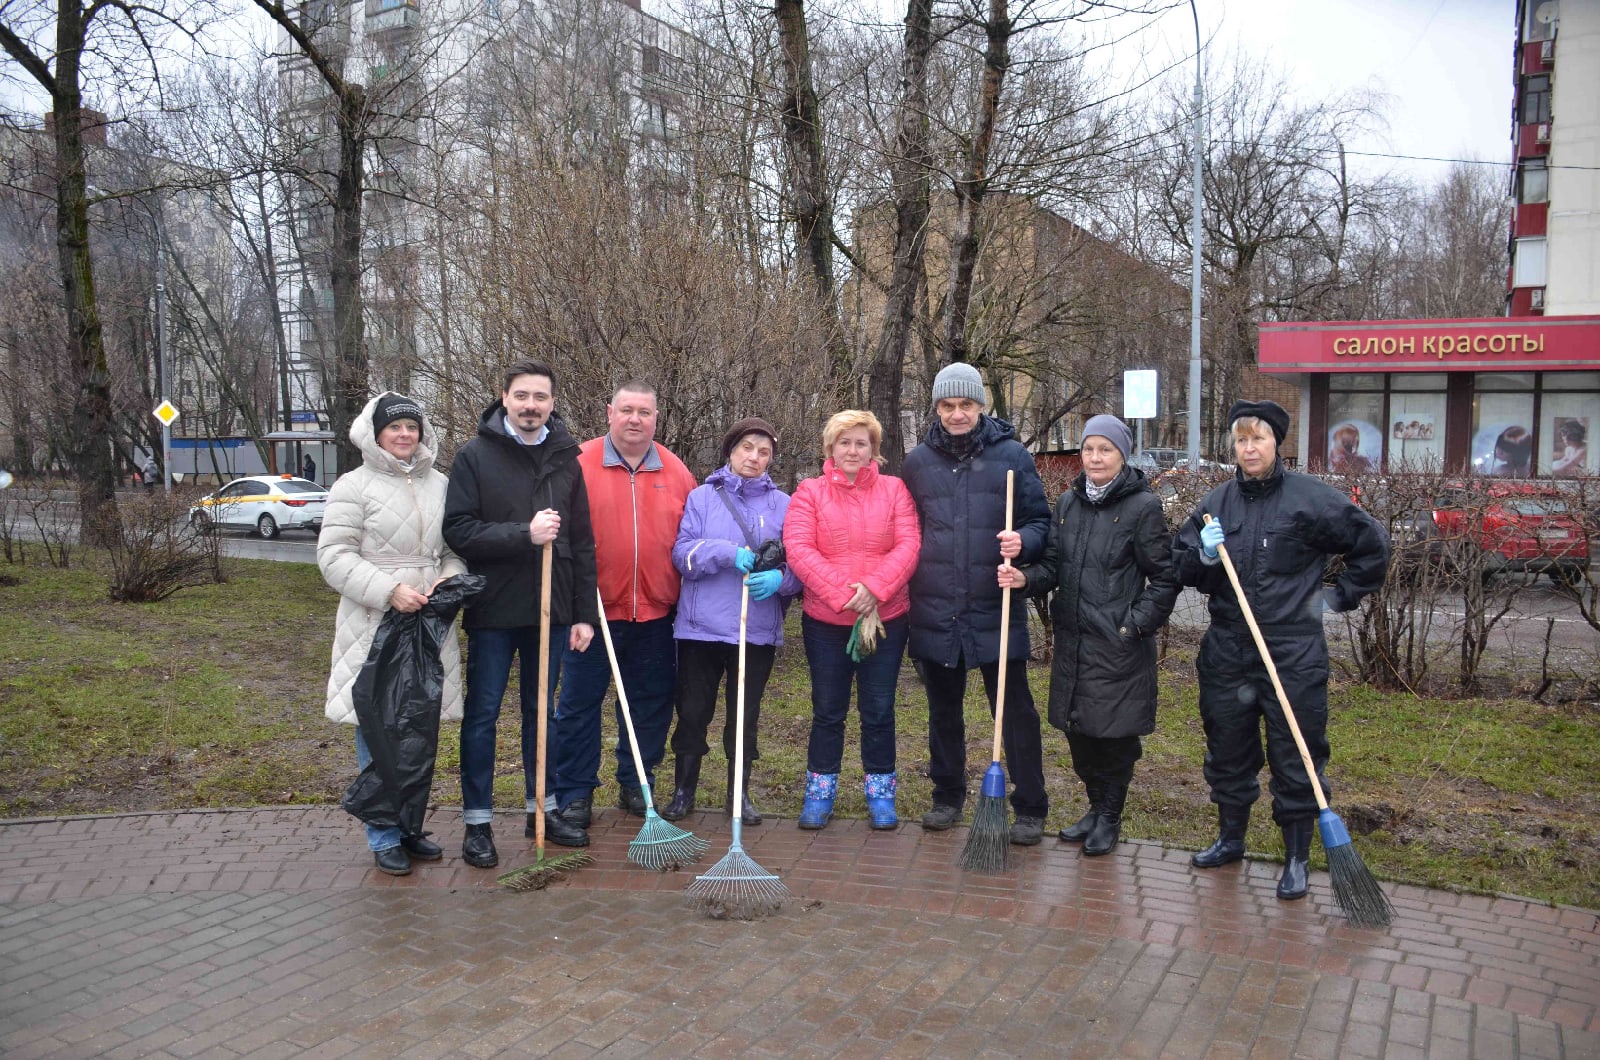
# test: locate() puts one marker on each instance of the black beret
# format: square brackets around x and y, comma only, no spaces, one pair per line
[1271,413]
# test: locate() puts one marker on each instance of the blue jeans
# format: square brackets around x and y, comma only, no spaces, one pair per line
[378,837]
[489,655]
[875,678]
[647,655]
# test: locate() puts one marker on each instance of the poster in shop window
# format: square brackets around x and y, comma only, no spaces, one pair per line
[1569,444]
[1503,449]
[1354,447]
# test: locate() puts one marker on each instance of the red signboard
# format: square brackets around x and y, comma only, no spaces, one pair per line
[1481,344]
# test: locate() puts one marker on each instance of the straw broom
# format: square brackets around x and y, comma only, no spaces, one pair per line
[544,871]
[1354,887]
[659,845]
[736,887]
[988,846]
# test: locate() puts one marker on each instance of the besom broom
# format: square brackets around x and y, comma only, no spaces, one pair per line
[543,871]
[659,845]
[736,887]
[1354,887]
[988,846]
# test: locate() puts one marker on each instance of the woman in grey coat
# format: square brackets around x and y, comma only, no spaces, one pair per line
[1107,562]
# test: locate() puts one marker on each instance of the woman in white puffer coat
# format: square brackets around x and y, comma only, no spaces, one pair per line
[382,546]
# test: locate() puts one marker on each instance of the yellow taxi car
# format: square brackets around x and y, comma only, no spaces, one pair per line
[266,504]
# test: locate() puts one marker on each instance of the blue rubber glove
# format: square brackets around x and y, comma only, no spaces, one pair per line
[1211,538]
[764,583]
[744,559]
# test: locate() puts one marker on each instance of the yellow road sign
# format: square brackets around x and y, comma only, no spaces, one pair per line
[166,412]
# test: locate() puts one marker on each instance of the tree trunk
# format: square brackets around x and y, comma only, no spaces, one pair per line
[802,129]
[90,433]
[344,272]
[910,173]
[974,182]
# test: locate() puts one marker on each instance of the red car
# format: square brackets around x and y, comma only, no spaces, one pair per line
[1518,526]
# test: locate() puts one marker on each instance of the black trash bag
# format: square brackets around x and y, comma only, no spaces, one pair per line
[770,556]
[397,699]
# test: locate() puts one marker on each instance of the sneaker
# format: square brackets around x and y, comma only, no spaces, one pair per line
[1027,831]
[940,818]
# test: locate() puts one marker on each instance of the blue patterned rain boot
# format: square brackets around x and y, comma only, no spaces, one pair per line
[820,791]
[880,801]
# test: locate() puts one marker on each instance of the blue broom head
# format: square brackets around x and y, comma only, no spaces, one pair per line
[1334,833]
[994,783]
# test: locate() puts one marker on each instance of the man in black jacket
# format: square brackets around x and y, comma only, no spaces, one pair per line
[1280,528]
[516,489]
[957,477]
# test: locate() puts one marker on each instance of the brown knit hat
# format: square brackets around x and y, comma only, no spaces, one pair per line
[750,425]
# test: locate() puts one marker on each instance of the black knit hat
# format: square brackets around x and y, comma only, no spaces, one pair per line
[1271,413]
[393,407]
[749,425]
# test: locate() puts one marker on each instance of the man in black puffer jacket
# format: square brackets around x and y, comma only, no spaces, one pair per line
[515,489]
[1280,528]
[957,478]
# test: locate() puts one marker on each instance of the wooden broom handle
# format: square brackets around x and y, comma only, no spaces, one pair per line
[546,567]
[1272,672]
[1005,630]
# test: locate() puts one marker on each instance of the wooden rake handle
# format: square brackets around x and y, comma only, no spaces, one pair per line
[546,565]
[1005,630]
[1272,672]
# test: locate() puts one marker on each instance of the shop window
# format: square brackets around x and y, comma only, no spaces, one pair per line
[1355,439]
[1416,430]
[1569,412]
[1377,419]
[1502,424]
[1534,183]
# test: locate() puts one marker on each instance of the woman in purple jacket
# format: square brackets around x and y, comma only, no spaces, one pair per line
[725,524]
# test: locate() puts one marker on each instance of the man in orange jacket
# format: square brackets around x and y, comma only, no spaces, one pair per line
[637,490]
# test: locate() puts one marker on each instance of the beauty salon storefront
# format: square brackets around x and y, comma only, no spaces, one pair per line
[1518,397]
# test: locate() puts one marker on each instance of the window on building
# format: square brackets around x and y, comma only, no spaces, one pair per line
[1502,424]
[1543,16]
[1528,263]
[1535,99]
[1534,182]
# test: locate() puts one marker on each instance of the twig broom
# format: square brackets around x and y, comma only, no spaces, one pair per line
[1354,887]
[659,845]
[988,846]
[544,871]
[736,887]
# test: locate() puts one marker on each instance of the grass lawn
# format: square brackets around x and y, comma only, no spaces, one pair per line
[214,698]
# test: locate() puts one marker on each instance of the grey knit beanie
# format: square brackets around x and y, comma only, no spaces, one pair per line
[959,380]
[1112,430]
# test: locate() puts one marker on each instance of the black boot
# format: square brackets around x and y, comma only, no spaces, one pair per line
[1077,833]
[685,779]
[1296,859]
[749,815]
[1232,823]
[1102,839]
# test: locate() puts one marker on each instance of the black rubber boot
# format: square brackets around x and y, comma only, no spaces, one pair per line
[1102,839]
[1077,833]
[1296,859]
[1232,823]
[685,781]
[749,815]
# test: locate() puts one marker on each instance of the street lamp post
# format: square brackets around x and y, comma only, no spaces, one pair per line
[161,346]
[1194,262]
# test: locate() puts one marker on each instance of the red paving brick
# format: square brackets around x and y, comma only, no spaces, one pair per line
[269,932]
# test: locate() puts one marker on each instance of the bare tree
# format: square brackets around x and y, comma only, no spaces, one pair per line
[802,124]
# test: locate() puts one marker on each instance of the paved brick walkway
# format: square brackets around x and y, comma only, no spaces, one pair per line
[267,933]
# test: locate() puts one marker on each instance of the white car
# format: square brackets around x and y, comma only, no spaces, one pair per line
[263,503]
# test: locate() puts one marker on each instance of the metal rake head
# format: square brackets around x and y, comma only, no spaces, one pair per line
[736,888]
[661,845]
[988,846]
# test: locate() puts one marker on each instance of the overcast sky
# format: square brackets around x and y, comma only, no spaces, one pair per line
[1445,65]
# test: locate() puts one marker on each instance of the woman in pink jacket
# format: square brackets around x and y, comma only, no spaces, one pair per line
[852,539]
